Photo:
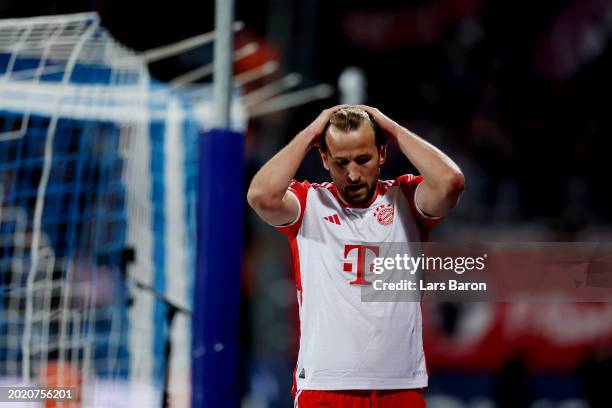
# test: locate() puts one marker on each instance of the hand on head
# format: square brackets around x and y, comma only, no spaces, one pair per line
[318,126]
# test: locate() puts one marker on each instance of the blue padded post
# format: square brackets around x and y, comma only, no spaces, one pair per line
[217,281]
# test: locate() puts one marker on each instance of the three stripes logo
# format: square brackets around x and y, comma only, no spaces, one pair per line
[334,219]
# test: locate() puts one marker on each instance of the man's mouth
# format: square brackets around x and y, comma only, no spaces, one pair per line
[358,189]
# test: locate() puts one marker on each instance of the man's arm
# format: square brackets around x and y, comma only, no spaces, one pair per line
[443,181]
[267,193]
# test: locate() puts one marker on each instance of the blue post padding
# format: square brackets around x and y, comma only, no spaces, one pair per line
[217,281]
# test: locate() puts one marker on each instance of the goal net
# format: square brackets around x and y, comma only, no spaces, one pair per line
[98,171]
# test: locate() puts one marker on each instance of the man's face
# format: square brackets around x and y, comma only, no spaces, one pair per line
[353,161]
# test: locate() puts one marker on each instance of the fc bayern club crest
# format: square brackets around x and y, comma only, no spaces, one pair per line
[384,214]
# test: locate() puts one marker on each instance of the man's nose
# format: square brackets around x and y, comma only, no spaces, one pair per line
[353,175]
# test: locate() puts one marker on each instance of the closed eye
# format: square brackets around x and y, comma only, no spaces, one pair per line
[363,159]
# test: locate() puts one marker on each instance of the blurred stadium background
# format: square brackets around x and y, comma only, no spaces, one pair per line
[515,92]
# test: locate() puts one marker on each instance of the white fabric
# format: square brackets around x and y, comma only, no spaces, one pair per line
[346,343]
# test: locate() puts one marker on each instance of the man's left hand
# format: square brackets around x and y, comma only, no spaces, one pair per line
[386,124]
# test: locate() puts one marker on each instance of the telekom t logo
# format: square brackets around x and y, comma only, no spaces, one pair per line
[361,260]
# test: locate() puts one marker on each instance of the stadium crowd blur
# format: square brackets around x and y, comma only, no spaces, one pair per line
[515,92]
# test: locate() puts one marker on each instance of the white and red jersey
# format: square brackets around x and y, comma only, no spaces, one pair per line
[346,343]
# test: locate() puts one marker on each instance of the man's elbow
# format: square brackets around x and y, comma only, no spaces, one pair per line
[255,197]
[454,184]
[261,200]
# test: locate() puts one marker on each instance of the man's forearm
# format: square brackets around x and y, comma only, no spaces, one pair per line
[437,168]
[269,185]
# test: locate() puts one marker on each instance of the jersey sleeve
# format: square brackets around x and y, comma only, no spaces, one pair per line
[408,184]
[300,191]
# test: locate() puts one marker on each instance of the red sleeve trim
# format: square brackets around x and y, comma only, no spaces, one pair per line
[408,184]
[300,191]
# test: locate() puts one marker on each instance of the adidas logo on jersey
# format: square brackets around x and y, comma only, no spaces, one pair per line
[333,219]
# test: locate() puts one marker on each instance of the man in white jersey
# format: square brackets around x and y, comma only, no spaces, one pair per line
[354,353]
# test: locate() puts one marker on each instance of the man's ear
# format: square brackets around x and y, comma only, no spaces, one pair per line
[382,154]
[324,159]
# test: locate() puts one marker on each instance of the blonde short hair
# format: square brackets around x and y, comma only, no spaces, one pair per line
[349,119]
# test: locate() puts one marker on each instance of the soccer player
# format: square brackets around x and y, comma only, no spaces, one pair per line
[354,353]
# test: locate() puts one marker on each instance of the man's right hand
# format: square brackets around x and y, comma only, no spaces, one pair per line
[314,131]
